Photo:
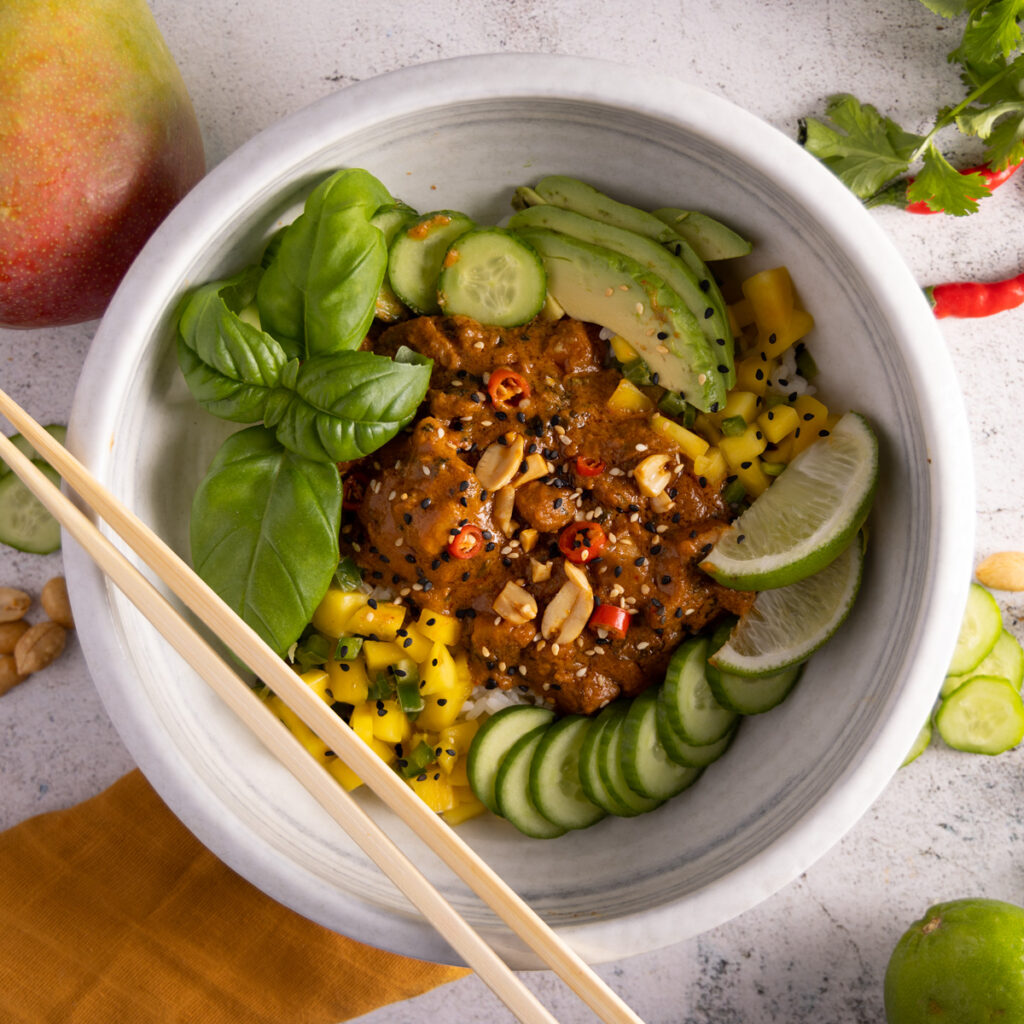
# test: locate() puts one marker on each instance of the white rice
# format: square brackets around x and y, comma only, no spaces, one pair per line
[786,380]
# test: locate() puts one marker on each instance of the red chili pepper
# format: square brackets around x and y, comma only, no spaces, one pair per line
[612,619]
[582,541]
[354,486]
[507,389]
[467,542]
[587,466]
[970,299]
[992,178]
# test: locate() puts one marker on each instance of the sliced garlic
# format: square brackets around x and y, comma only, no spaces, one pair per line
[515,605]
[652,474]
[500,462]
[569,610]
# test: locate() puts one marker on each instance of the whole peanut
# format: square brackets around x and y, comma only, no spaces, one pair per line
[9,674]
[55,602]
[13,604]
[10,634]
[38,646]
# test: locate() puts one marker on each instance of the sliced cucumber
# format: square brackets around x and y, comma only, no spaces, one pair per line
[591,778]
[982,623]
[686,701]
[25,523]
[1006,659]
[984,716]
[645,764]
[609,764]
[391,218]
[416,255]
[920,744]
[493,741]
[512,789]
[492,276]
[688,753]
[555,775]
[56,430]
[752,695]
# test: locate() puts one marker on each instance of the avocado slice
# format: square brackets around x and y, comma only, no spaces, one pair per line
[572,194]
[647,252]
[599,285]
[710,238]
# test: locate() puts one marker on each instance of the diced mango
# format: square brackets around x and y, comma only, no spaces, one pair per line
[779,453]
[778,421]
[813,419]
[379,654]
[383,621]
[319,682]
[752,373]
[690,443]
[390,724]
[335,609]
[298,727]
[776,342]
[439,673]
[711,466]
[442,708]
[772,297]
[741,314]
[627,397]
[414,643]
[434,790]
[466,806]
[621,349]
[753,477]
[445,629]
[362,721]
[341,771]
[739,403]
[743,447]
[348,680]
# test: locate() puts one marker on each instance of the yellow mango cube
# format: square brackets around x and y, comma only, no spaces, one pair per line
[319,682]
[741,314]
[440,709]
[466,806]
[383,621]
[753,477]
[752,373]
[627,397]
[621,349]
[299,729]
[445,629]
[740,403]
[813,419]
[779,453]
[349,682]
[341,771]
[776,342]
[362,720]
[777,422]
[379,654]
[414,643]
[711,466]
[690,444]
[390,723]
[772,297]
[438,673]
[335,609]
[743,448]
[434,790]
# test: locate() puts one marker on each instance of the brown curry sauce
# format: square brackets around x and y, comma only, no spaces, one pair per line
[421,488]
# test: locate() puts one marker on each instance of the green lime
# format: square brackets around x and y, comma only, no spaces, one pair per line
[807,517]
[785,626]
[962,963]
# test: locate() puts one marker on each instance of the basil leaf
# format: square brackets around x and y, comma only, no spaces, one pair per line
[264,533]
[319,293]
[348,404]
[229,364]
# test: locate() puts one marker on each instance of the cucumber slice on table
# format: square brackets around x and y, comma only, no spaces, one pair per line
[493,741]
[25,524]
[555,775]
[982,623]
[748,695]
[646,765]
[492,276]
[417,253]
[56,430]
[685,700]
[984,716]
[1006,659]
[920,744]
[512,789]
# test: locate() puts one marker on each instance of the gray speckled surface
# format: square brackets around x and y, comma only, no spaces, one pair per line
[949,825]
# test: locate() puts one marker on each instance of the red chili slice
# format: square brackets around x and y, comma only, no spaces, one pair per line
[468,542]
[354,486]
[507,389]
[612,619]
[587,466]
[582,542]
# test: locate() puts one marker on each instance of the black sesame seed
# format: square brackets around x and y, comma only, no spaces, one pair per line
[708,313]
[639,561]
[411,559]
[463,485]
[372,603]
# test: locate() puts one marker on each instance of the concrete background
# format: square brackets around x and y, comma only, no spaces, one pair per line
[950,825]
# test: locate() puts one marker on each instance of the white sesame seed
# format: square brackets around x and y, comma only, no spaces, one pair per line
[641,447]
[522,670]
[555,648]
[662,349]
[399,541]
[426,470]
[643,645]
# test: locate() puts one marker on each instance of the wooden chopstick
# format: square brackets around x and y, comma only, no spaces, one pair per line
[283,744]
[244,641]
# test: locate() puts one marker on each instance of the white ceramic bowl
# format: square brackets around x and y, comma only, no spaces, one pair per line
[462,134]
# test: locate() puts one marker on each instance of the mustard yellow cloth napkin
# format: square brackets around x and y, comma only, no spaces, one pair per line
[113,912]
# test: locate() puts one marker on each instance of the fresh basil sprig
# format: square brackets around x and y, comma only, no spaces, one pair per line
[340,407]
[319,291]
[264,533]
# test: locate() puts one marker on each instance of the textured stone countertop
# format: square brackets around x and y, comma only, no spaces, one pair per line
[947,826]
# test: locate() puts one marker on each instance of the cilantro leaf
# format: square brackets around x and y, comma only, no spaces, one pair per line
[944,188]
[999,120]
[991,34]
[862,147]
[949,8]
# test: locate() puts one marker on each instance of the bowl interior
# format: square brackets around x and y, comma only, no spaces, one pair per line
[794,780]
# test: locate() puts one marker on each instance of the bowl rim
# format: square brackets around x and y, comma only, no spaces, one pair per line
[606,84]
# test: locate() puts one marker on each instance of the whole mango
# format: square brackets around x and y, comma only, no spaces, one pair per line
[98,141]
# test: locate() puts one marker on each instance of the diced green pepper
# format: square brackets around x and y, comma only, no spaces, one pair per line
[418,760]
[348,648]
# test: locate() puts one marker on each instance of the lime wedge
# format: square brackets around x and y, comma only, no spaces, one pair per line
[806,518]
[786,625]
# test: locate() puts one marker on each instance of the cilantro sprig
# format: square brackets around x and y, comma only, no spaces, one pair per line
[881,162]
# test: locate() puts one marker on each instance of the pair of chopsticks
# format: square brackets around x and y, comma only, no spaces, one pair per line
[378,776]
